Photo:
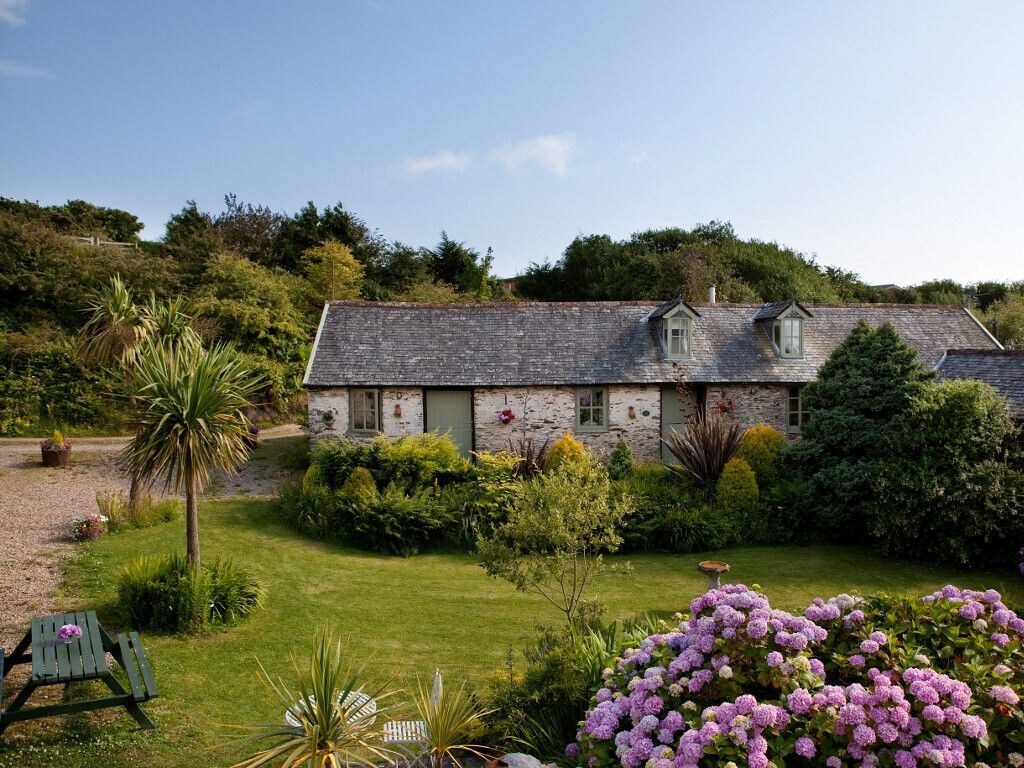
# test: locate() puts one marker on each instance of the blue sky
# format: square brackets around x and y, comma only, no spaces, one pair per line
[883,137]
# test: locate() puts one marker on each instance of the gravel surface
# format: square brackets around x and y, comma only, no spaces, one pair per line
[39,503]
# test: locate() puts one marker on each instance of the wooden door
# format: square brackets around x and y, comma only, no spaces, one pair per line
[451,411]
[672,418]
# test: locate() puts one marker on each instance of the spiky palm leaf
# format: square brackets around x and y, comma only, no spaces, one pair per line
[116,330]
[190,420]
[452,721]
[703,447]
[169,320]
[334,728]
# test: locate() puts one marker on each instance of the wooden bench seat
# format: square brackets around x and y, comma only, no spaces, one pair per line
[136,666]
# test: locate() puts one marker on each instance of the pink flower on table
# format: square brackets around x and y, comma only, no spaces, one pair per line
[69,632]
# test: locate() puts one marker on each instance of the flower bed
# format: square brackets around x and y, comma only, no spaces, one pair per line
[876,681]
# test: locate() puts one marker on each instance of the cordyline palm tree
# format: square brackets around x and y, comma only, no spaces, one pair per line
[190,420]
[118,330]
[114,335]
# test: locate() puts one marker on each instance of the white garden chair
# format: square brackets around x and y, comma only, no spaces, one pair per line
[409,734]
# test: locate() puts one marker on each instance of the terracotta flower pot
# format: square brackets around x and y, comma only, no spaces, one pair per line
[56,456]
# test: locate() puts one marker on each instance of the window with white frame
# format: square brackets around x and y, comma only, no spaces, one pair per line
[677,337]
[591,408]
[364,406]
[788,336]
[797,414]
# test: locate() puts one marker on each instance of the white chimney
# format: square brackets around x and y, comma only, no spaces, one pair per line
[711,295]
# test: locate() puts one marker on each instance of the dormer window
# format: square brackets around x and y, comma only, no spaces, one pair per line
[783,322]
[674,329]
[677,337]
[788,336]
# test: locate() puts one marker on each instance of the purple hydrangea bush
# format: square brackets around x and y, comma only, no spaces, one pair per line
[879,681]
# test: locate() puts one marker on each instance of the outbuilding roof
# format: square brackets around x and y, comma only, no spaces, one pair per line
[1003,369]
[577,343]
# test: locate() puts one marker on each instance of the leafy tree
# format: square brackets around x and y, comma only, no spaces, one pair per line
[947,492]
[455,264]
[331,273]
[248,229]
[192,238]
[400,267]
[559,526]
[856,405]
[190,421]
[78,218]
[1005,319]
[309,228]
[253,306]
[428,292]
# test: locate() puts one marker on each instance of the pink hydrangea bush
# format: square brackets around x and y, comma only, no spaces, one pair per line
[867,682]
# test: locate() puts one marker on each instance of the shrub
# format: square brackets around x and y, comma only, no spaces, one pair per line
[360,485]
[947,492]
[171,595]
[620,465]
[786,514]
[530,459]
[394,523]
[863,390]
[115,507]
[680,528]
[760,448]
[736,492]
[703,448]
[559,525]
[412,463]
[925,682]
[565,449]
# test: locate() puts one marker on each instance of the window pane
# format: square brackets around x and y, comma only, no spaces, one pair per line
[584,415]
[584,398]
[598,398]
[598,417]
[794,420]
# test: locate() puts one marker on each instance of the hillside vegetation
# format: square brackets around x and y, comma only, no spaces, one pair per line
[258,278]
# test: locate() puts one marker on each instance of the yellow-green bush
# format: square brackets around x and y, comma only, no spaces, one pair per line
[564,449]
[360,484]
[760,449]
[736,493]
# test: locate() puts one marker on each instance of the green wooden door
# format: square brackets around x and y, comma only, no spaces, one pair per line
[451,411]
[672,418]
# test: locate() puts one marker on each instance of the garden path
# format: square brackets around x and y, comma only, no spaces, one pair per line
[38,504]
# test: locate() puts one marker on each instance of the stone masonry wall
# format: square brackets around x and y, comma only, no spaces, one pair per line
[754,403]
[547,412]
[335,400]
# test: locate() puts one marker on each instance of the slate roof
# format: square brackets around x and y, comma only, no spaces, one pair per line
[776,308]
[552,343]
[1003,369]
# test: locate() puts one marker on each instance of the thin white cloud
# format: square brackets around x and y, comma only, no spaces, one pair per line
[10,68]
[551,152]
[13,12]
[445,160]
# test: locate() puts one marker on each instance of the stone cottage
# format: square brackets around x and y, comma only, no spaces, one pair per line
[489,372]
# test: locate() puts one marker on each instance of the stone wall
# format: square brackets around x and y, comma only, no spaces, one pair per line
[547,412]
[335,400]
[754,403]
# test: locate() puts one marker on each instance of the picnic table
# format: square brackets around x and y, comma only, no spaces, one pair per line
[55,662]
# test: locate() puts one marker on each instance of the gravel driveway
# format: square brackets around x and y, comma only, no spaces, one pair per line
[38,504]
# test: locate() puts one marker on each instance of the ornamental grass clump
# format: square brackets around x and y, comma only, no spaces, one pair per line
[704,447]
[867,682]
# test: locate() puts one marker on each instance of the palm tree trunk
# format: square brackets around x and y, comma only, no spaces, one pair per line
[191,523]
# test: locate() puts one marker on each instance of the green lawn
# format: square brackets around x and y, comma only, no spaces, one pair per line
[406,616]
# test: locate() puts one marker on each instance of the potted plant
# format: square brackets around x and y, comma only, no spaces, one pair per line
[56,450]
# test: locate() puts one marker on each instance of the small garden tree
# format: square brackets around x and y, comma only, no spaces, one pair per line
[190,417]
[558,528]
[947,491]
[862,391]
